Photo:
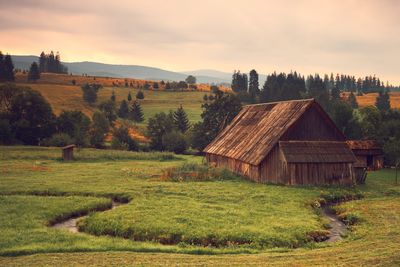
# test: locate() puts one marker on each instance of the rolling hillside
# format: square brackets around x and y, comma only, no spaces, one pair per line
[128,71]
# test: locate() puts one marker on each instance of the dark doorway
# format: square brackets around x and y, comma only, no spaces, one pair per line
[370,161]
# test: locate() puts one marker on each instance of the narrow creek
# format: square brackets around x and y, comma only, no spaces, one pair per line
[336,231]
[71,224]
[337,227]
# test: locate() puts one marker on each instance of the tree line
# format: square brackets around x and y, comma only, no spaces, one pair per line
[51,63]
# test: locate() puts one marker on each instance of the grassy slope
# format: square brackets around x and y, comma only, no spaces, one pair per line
[69,97]
[373,241]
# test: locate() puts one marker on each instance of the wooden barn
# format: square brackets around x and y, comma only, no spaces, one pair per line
[290,142]
[369,154]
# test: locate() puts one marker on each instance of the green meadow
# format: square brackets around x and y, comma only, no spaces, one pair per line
[223,221]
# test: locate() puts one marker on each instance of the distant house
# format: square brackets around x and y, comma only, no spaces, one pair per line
[369,154]
[291,142]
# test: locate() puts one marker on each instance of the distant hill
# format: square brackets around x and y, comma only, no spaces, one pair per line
[129,71]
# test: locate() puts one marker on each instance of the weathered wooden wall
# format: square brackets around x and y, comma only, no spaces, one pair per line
[312,126]
[242,168]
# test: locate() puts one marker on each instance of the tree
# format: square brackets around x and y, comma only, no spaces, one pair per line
[2,68]
[168,86]
[8,69]
[371,120]
[352,101]
[383,101]
[34,73]
[342,114]
[155,85]
[76,124]
[181,120]
[136,113]
[174,141]
[123,110]
[90,92]
[335,93]
[109,109]
[239,81]
[122,140]
[129,97]
[42,62]
[140,95]
[157,126]
[113,98]
[31,117]
[182,85]
[216,116]
[253,84]
[190,79]
[99,128]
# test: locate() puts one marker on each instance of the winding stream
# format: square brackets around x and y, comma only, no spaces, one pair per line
[337,227]
[71,224]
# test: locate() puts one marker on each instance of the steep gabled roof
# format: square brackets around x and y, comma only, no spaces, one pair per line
[257,128]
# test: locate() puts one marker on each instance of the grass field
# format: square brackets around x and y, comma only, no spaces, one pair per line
[370,99]
[69,97]
[37,188]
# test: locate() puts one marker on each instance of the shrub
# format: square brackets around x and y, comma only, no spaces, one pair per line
[174,142]
[6,134]
[140,95]
[122,140]
[59,140]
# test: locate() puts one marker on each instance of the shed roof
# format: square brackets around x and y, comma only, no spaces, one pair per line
[257,128]
[68,147]
[364,144]
[316,152]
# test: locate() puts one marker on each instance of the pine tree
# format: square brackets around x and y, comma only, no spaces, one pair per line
[42,62]
[383,101]
[8,69]
[123,110]
[136,113]
[129,97]
[335,93]
[253,84]
[352,101]
[113,98]
[181,120]
[34,73]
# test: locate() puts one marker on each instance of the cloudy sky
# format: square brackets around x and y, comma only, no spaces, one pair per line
[347,36]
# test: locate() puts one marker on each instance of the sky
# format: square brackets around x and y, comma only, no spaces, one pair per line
[347,36]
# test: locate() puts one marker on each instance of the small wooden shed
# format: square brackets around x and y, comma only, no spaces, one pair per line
[290,142]
[68,152]
[369,154]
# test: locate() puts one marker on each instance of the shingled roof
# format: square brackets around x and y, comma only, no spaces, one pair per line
[364,144]
[257,128]
[316,151]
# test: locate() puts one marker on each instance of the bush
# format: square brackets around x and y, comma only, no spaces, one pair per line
[59,140]
[122,140]
[6,134]
[174,142]
[140,95]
